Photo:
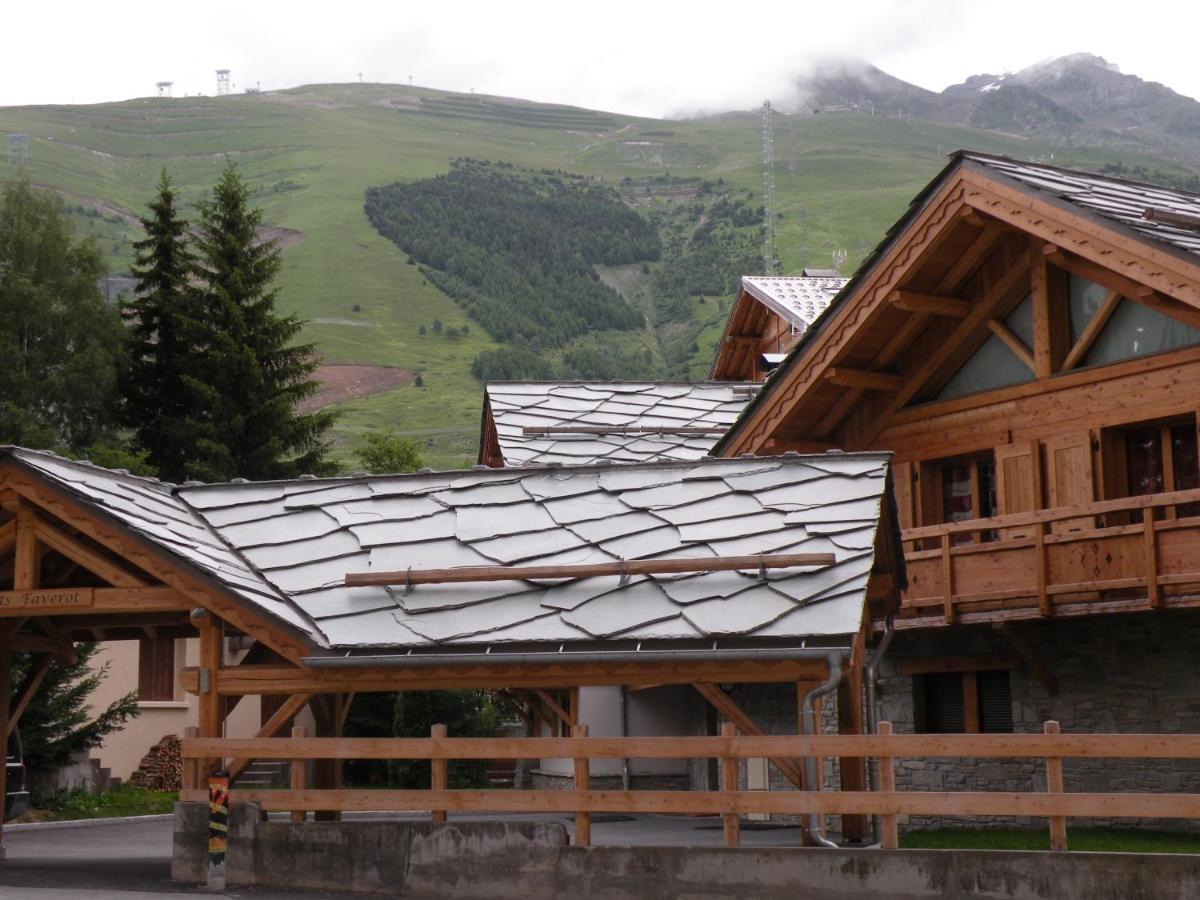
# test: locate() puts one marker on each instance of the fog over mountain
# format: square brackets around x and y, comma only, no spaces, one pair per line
[1081,99]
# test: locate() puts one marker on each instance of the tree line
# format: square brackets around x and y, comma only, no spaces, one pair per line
[203,380]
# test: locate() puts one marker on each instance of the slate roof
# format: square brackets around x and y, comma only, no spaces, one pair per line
[798,299]
[286,547]
[1118,200]
[649,405]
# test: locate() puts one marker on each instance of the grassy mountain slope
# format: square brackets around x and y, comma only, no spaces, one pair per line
[312,152]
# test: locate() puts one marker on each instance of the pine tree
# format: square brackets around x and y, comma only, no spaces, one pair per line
[251,375]
[161,405]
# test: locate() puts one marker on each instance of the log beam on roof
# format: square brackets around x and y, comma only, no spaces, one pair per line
[1164,270]
[200,589]
[931,365]
[274,679]
[861,378]
[1012,342]
[725,705]
[78,552]
[930,304]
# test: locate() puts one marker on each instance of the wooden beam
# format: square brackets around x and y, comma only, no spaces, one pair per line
[1043,353]
[210,713]
[38,643]
[26,560]
[278,721]
[49,628]
[724,704]
[860,378]
[553,705]
[930,304]
[78,552]
[1012,342]
[276,679]
[8,535]
[20,701]
[1172,217]
[1092,331]
[1029,655]
[925,665]
[472,574]
[130,601]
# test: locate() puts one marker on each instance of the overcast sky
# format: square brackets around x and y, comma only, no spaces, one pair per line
[644,57]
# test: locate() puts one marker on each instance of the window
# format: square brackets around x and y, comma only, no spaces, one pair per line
[965,489]
[1152,458]
[1133,329]
[156,669]
[994,365]
[963,702]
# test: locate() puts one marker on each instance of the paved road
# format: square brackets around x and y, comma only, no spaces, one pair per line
[132,859]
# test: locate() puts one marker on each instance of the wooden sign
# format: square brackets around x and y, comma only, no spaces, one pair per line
[49,600]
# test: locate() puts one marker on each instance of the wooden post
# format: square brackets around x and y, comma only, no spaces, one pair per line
[889,831]
[729,784]
[191,767]
[1153,594]
[1054,785]
[583,819]
[437,773]
[1043,569]
[948,579]
[210,703]
[5,694]
[327,773]
[299,774]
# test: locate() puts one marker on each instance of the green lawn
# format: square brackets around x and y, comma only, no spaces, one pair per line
[1109,840]
[309,153]
[125,800]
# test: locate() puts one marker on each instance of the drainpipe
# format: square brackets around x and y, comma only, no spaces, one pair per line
[622,699]
[816,825]
[872,676]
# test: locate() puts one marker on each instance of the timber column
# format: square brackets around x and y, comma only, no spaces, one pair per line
[211,712]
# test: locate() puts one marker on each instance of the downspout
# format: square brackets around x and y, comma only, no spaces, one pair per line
[622,699]
[872,676]
[816,825]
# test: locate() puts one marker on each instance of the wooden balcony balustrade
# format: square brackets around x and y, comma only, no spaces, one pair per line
[1076,560]
[1055,804]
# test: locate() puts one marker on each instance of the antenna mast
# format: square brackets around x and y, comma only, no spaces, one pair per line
[222,82]
[164,88]
[770,247]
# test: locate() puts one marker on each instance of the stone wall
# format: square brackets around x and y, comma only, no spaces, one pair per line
[1125,674]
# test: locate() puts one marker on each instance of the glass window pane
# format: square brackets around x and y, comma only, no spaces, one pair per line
[1020,321]
[1086,297]
[956,492]
[993,366]
[1143,461]
[1135,330]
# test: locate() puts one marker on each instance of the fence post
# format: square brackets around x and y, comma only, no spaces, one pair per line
[191,767]
[1054,785]
[299,774]
[218,828]
[729,783]
[583,819]
[889,832]
[438,779]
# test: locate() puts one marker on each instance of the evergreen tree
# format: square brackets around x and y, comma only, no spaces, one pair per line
[57,722]
[250,374]
[385,452]
[60,343]
[160,403]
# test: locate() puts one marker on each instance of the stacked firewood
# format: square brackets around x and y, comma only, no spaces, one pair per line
[162,768]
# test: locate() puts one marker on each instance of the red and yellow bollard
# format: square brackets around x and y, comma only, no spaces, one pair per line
[218,828]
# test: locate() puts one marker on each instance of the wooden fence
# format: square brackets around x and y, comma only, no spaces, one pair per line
[1055,561]
[888,803]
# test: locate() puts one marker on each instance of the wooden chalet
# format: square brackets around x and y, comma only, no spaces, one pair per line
[1026,341]
[534,583]
[769,316]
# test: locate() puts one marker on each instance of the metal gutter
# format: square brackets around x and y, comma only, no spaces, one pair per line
[576,657]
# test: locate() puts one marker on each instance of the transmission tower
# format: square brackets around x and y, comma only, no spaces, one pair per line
[770,248]
[18,148]
[164,88]
[222,82]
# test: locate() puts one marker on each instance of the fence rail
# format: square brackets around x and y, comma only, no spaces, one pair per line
[885,747]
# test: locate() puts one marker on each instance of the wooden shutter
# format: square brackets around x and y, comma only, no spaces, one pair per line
[1069,477]
[156,669]
[1018,483]
[995,702]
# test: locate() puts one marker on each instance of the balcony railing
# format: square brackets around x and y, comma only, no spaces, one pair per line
[1077,560]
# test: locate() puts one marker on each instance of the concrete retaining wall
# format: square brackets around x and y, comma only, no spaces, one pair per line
[525,861]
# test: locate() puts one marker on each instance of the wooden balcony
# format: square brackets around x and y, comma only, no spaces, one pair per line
[1125,555]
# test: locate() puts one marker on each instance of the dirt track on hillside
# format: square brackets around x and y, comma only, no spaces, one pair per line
[340,382]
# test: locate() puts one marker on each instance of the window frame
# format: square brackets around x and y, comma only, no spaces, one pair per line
[972,704]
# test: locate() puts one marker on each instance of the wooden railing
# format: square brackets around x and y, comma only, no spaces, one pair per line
[888,803]
[1089,558]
